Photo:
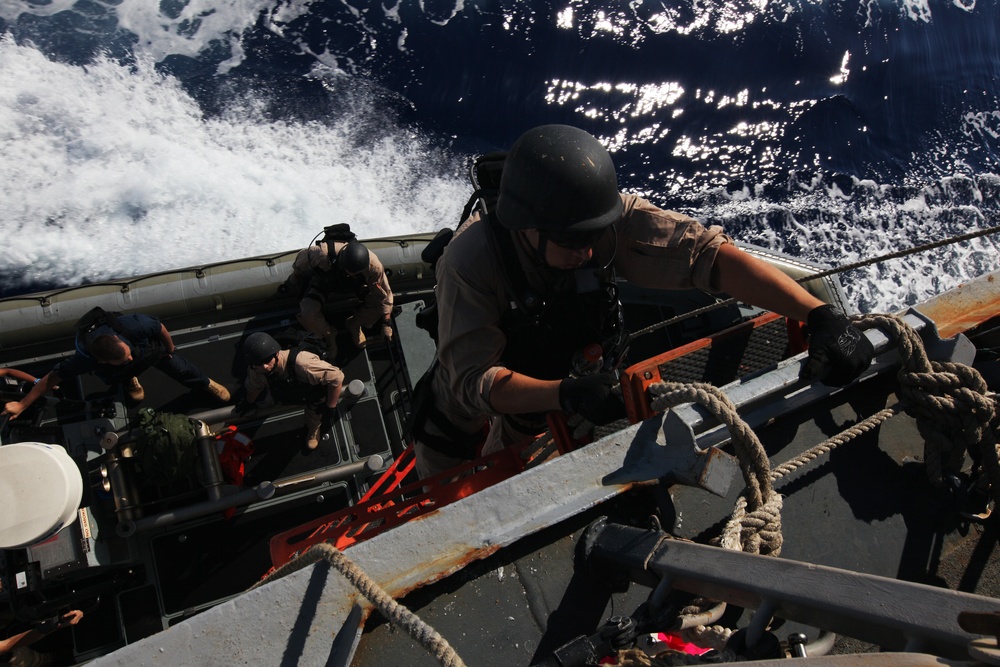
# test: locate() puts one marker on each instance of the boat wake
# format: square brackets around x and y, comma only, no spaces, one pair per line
[144,137]
[115,171]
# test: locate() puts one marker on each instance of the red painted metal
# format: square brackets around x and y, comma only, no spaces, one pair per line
[396,504]
[636,379]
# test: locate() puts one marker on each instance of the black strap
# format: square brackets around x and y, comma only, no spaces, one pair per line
[515,280]
[291,389]
[454,443]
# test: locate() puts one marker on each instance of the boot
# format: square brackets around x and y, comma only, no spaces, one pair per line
[134,389]
[217,390]
[313,422]
[357,335]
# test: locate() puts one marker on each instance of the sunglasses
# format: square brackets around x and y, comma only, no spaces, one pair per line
[265,362]
[575,240]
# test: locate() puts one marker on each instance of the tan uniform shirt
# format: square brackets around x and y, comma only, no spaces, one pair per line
[655,249]
[316,257]
[309,369]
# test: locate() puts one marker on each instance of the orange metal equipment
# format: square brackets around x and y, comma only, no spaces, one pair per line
[388,503]
[717,359]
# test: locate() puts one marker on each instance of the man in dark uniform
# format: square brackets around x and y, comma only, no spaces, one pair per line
[514,302]
[117,348]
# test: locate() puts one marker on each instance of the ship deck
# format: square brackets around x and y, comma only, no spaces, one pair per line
[867,507]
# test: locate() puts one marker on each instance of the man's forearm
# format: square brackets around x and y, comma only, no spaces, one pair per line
[333,394]
[758,283]
[49,381]
[514,393]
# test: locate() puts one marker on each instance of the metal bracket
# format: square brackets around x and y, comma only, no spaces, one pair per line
[686,450]
[671,453]
[896,615]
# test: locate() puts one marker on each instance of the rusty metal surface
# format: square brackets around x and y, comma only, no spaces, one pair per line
[294,620]
[968,305]
[301,613]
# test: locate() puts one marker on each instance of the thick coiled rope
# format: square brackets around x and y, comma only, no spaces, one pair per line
[951,404]
[755,525]
[396,613]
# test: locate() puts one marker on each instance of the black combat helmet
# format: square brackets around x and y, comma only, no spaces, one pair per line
[558,178]
[258,348]
[353,258]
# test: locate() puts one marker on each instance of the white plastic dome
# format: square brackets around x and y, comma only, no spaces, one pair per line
[40,492]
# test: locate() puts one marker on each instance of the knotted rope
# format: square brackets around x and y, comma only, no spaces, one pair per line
[755,525]
[396,613]
[950,402]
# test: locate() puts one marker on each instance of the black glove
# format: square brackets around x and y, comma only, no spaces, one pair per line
[838,351]
[591,396]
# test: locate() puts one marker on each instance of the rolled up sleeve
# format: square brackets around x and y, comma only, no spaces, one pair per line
[665,249]
[310,369]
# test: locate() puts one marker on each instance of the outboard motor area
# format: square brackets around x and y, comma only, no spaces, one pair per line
[40,491]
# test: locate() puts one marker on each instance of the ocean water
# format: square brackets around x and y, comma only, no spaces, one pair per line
[139,136]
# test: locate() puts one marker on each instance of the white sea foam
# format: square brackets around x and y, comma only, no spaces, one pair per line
[825,224]
[181,28]
[112,171]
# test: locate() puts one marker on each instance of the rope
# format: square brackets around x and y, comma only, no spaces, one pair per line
[755,525]
[709,636]
[903,253]
[823,274]
[392,610]
[831,444]
[951,403]
[955,413]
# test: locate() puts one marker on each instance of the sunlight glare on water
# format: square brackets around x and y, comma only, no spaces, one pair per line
[826,130]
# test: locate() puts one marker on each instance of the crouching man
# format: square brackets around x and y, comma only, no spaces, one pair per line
[294,376]
[117,348]
[332,269]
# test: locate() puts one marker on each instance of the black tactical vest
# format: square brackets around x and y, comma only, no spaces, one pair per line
[290,391]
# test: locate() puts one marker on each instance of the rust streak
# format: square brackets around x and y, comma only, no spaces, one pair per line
[445,567]
[962,309]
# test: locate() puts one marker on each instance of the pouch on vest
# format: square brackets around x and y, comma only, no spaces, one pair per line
[165,449]
[485,175]
[290,389]
[339,232]
[453,443]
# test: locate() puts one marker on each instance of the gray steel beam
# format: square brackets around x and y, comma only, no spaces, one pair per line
[896,615]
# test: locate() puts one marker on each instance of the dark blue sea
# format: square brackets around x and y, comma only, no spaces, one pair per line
[139,136]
